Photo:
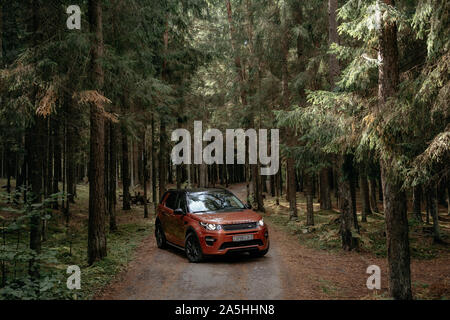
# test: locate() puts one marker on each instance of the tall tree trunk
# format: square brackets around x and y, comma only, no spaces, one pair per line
[37,131]
[70,149]
[64,209]
[126,199]
[272,185]
[448,200]
[309,200]
[8,171]
[350,173]
[162,158]
[290,134]
[373,194]
[112,198]
[96,227]
[417,202]
[57,159]
[348,215]
[145,171]
[325,193]
[344,172]
[277,188]
[203,176]
[434,212]
[162,161]
[364,188]
[394,198]
[107,149]
[50,157]
[154,197]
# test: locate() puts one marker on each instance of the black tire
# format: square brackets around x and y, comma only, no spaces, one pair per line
[259,253]
[192,248]
[161,241]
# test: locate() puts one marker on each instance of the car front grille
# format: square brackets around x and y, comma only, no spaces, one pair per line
[255,242]
[239,226]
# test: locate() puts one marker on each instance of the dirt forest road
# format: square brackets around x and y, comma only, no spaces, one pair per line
[288,271]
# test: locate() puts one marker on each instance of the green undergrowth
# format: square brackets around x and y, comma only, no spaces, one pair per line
[66,246]
[324,235]
[121,247]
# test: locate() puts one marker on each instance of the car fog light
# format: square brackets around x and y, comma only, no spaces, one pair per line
[210,241]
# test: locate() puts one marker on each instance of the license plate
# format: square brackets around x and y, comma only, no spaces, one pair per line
[244,237]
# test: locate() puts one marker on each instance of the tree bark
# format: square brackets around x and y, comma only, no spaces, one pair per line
[350,172]
[309,200]
[448,200]
[364,188]
[373,194]
[145,171]
[434,212]
[347,229]
[286,96]
[70,149]
[417,203]
[96,227]
[35,165]
[162,161]
[126,199]
[154,197]
[162,158]
[57,159]
[112,198]
[325,193]
[394,198]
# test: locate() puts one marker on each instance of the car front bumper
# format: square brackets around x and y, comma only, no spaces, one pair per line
[221,242]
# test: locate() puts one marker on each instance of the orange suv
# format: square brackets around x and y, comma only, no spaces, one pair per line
[209,222]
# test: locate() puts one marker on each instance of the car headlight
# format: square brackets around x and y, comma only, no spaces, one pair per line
[261,223]
[211,226]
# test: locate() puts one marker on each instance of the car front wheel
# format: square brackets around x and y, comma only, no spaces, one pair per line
[192,247]
[259,253]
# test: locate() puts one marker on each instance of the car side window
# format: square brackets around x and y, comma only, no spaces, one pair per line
[181,202]
[171,201]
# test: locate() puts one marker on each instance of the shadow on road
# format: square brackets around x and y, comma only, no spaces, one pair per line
[230,258]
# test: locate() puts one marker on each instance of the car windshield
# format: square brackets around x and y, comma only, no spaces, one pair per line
[208,201]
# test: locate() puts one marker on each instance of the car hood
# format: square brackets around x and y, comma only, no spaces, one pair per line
[229,217]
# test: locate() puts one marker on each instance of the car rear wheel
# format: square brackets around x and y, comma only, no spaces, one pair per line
[160,237]
[193,249]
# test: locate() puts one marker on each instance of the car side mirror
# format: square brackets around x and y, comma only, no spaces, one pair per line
[248,206]
[179,211]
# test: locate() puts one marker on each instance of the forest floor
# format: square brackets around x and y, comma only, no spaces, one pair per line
[301,264]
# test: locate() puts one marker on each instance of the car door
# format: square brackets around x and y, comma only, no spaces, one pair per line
[178,220]
[168,217]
